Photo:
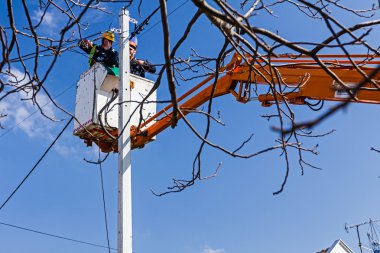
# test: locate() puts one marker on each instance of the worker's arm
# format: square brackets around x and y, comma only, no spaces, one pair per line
[85,45]
[147,66]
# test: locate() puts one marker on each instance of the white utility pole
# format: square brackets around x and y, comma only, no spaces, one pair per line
[124,175]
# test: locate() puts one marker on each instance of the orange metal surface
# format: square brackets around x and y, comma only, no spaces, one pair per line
[319,86]
[222,87]
[96,134]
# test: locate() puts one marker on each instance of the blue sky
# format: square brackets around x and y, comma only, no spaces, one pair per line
[233,212]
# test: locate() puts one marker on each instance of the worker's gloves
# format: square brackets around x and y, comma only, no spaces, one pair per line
[85,43]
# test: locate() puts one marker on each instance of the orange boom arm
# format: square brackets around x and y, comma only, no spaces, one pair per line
[302,76]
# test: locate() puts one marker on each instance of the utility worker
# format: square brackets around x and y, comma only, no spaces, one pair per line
[138,67]
[104,53]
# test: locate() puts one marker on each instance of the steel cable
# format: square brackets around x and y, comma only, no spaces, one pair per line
[35,165]
[55,236]
[104,202]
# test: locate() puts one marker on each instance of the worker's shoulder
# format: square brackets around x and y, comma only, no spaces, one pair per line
[95,47]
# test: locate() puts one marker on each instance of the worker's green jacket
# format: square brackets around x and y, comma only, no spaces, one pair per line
[97,53]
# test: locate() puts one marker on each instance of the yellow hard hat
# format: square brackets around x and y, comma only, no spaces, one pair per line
[109,36]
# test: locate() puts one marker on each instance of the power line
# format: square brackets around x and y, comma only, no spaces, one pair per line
[170,13]
[31,114]
[35,166]
[66,44]
[104,202]
[139,28]
[55,236]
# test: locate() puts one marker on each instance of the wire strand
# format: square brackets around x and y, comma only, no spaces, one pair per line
[32,113]
[104,201]
[55,236]
[35,166]
[65,44]
[170,13]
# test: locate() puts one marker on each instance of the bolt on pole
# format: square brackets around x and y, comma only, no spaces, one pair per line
[124,143]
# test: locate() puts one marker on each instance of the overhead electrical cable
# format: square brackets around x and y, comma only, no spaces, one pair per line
[66,44]
[155,24]
[55,236]
[34,112]
[35,165]
[141,26]
[104,202]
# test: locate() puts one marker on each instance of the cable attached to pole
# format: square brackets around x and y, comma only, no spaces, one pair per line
[139,28]
[170,13]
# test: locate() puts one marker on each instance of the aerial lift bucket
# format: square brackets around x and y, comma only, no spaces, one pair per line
[97,105]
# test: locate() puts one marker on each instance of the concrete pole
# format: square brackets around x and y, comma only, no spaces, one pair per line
[124,145]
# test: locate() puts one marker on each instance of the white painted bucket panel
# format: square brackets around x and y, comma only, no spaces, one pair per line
[94,91]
